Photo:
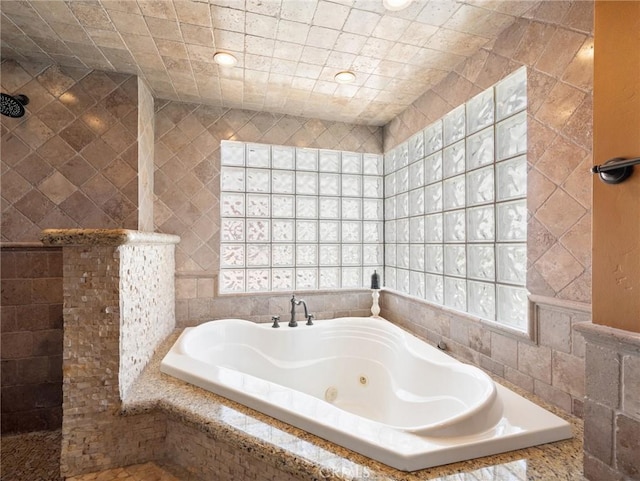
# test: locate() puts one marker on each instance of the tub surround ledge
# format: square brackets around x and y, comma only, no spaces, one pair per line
[103,237]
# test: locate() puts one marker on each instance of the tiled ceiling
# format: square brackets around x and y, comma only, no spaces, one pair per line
[288,50]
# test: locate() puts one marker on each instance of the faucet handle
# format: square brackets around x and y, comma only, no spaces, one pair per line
[310,320]
[275,320]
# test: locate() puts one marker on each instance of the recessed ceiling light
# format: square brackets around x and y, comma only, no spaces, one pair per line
[396,4]
[225,59]
[345,77]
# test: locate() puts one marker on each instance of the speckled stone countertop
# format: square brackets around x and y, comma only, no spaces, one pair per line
[307,456]
[103,237]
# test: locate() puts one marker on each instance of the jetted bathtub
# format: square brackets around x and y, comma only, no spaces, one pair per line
[365,384]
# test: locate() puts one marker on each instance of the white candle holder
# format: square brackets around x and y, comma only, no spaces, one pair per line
[375,308]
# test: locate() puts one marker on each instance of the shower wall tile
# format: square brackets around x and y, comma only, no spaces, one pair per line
[72,160]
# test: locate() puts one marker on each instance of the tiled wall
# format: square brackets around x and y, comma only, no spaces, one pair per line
[72,160]
[187,188]
[146,151]
[31,339]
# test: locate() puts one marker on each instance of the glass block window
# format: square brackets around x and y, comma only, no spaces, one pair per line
[299,219]
[455,208]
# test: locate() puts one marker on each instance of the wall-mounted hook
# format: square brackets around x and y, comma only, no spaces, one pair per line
[616,170]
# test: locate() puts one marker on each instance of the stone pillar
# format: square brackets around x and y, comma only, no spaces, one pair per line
[119,304]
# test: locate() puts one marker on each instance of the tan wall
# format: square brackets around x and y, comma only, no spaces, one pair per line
[616,131]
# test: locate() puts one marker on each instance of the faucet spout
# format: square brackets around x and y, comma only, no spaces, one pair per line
[296,302]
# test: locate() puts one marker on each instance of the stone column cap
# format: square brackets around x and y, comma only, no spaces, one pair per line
[618,339]
[104,237]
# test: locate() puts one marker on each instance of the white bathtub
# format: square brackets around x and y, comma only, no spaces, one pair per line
[365,384]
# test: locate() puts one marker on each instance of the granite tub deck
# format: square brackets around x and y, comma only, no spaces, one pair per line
[203,419]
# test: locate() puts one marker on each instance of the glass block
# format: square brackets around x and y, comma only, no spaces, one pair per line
[372,209]
[231,153]
[481,262]
[416,202]
[257,280]
[402,179]
[511,94]
[390,230]
[480,224]
[282,157]
[402,230]
[455,293]
[306,183]
[282,279]
[282,182]
[433,138]
[433,168]
[306,231]
[454,226]
[453,160]
[390,255]
[511,136]
[258,205]
[329,161]
[434,259]
[433,228]
[329,184]
[480,111]
[511,221]
[454,192]
[390,184]
[231,280]
[453,125]
[480,186]
[351,277]
[416,257]
[329,277]
[390,277]
[351,185]
[307,159]
[416,229]
[372,187]
[282,255]
[455,260]
[351,232]
[307,207]
[434,288]
[231,205]
[433,198]
[352,254]
[372,231]
[372,254]
[306,255]
[512,306]
[329,231]
[480,149]
[232,230]
[306,279]
[329,208]
[402,205]
[282,205]
[258,230]
[232,179]
[416,147]
[232,255]
[482,299]
[372,164]
[417,284]
[258,155]
[403,155]
[402,280]
[351,163]
[512,263]
[258,180]
[351,208]
[389,161]
[402,255]
[390,208]
[511,181]
[416,174]
[330,254]
[258,255]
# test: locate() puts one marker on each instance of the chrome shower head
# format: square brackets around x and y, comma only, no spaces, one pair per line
[13,106]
